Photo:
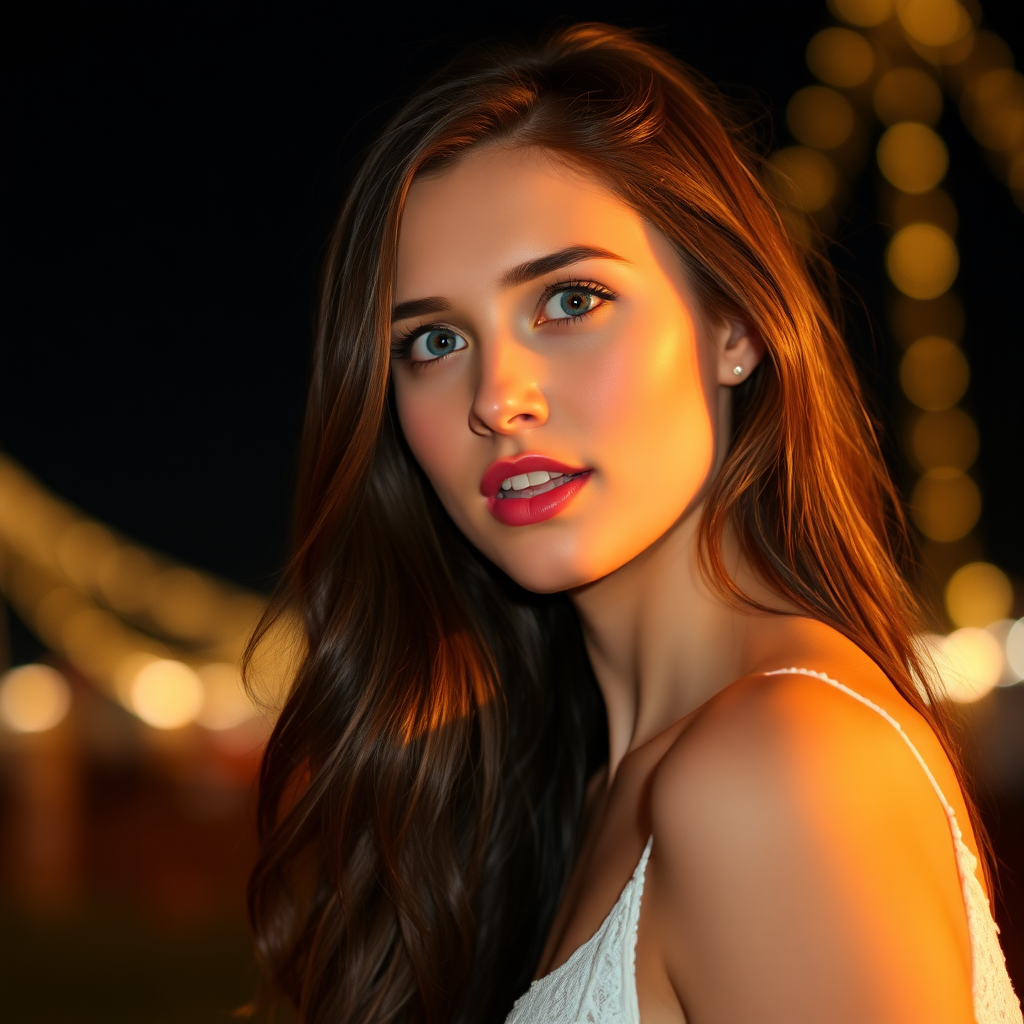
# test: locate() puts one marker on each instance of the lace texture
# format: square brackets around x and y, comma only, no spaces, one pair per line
[597,984]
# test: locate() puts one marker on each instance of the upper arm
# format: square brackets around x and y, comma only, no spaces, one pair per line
[803,868]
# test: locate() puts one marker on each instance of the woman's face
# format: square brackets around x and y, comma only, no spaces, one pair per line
[550,374]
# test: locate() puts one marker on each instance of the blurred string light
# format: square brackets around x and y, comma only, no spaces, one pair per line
[33,698]
[162,639]
[165,640]
[892,63]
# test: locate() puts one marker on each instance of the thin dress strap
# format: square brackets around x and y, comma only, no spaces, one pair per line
[950,813]
[993,996]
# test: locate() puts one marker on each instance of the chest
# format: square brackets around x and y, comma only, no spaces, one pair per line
[601,917]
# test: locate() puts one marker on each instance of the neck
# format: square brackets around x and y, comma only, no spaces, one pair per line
[662,641]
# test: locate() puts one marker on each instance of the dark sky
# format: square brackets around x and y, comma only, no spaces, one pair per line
[169,176]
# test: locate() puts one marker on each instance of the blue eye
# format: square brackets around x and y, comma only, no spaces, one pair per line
[434,343]
[570,302]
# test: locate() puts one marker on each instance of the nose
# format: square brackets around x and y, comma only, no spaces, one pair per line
[508,398]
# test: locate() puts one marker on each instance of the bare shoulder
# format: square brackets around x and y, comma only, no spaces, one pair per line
[795,830]
[768,732]
[798,750]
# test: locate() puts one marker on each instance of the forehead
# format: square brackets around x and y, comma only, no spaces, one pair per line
[499,207]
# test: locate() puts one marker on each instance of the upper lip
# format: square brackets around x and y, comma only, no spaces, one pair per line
[490,483]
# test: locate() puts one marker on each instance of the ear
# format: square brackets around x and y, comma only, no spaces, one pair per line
[739,349]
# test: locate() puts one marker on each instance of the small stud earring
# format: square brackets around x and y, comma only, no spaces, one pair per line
[738,370]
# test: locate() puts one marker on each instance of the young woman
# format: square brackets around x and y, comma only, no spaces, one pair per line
[609,652]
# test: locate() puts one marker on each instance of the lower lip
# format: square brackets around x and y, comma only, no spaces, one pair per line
[526,511]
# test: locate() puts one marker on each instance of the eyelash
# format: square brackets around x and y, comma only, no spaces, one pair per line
[589,287]
[402,345]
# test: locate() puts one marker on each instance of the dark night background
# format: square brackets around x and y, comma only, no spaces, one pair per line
[170,174]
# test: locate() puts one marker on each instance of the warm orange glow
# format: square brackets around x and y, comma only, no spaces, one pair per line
[124,577]
[166,694]
[183,603]
[81,549]
[33,698]
[933,22]
[912,157]
[948,438]
[225,703]
[978,594]
[820,117]
[54,611]
[934,374]
[922,261]
[863,13]
[1015,648]
[970,664]
[993,107]
[840,57]
[908,94]
[277,659]
[94,641]
[946,504]
[804,178]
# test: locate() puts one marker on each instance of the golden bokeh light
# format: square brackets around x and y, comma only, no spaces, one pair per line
[863,13]
[183,603]
[33,698]
[907,94]
[820,117]
[54,611]
[934,374]
[933,22]
[947,438]
[225,703]
[803,178]
[993,108]
[166,694]
[912,157]
[922,261]
[978,594]
[840,57]
[125,576]
[128,667]
[945,504]
[94,641]
[81,550]
[1014,648]
[969,662]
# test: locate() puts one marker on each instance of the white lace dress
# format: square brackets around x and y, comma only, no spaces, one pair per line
[597,984]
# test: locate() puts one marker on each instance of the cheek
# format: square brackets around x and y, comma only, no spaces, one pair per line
[429,431]
[430,420]
[650,411]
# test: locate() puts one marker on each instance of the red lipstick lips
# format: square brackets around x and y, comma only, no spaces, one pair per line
[555,481]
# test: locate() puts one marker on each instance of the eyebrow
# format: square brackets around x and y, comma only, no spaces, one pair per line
[517,275]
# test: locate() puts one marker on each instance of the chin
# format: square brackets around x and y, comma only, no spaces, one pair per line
[540,579]
[540,575]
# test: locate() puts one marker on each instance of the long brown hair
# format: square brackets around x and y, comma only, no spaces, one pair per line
[421,793]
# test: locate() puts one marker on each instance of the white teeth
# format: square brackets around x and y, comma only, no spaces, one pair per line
[538,478]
